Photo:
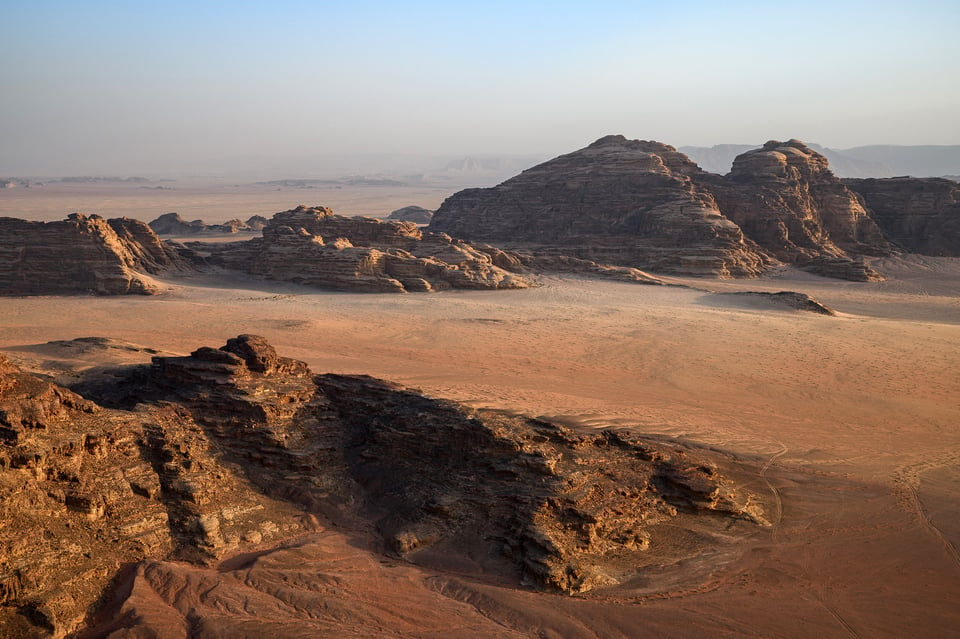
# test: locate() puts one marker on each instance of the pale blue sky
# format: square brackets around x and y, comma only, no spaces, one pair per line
[136,87]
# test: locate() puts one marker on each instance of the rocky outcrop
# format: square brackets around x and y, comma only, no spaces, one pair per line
[570,511]
[782,299]
[618,201]
[227,449]
[645,205]
[315,247]
[82,254]
[415,214]
[920,215]
[173,224]
[85,490]
[787,200]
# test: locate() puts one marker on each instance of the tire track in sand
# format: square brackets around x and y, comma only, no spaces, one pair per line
[907,483]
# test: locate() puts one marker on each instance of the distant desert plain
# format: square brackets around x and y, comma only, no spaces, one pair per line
[845,427]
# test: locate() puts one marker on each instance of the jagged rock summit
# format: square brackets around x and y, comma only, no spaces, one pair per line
[644,204]
[229,450]
[784,196]
[82,254]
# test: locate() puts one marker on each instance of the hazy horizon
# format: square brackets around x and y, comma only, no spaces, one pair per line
[104,89]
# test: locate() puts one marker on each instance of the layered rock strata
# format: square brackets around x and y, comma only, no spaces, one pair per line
[645,205]
[82,254]
[227,449]
[920,215]
[315,247]
[618,201]
[85,490]
[787,200]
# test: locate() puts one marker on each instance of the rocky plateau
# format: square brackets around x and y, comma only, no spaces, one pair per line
[113,494]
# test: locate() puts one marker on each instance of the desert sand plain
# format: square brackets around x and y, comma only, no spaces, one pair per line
[848,426]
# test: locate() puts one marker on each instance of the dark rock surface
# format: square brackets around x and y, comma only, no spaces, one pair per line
[82,255]
[173,224]
[227,449]
[782,299]
[920,215]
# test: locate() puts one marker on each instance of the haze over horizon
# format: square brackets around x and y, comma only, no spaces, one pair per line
[106,88]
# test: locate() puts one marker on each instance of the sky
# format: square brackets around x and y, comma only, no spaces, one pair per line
[133,88]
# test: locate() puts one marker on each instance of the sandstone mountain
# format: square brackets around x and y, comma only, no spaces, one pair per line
[784,196]
[618,201]
[643,204]
[231,450]
[920,215]
[81,255]
[315,247]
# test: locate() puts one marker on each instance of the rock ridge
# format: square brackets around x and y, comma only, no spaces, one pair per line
[227,449]
[315,247]
[643,204]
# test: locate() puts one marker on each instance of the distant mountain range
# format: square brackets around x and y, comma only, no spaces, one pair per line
[859,162]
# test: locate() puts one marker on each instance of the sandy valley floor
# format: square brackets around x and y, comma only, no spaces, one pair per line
[852,424]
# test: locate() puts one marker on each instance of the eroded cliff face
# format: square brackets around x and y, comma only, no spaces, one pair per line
[643,204]
[617,201]
[81,255]
[85,490]
[920,215]
[227,450]
[787,200]
[315,247]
